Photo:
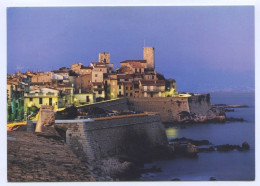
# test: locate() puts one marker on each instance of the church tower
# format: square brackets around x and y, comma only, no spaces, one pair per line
[149,56]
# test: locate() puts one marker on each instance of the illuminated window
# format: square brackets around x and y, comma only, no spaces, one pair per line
[151,87]
[145,88]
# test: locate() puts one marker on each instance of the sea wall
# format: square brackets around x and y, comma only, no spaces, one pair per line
[199,104]
[170,107]
[106,137]
[167,107]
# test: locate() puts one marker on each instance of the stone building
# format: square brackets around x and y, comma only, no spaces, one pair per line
[152,88]
[83,84]
[42,77]
[148,55]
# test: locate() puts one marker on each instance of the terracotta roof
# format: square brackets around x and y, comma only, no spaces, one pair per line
[134,60]
[124,76]
[59,71]
[152,82]
[136,64]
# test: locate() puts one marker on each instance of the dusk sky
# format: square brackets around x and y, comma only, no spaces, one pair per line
[203,48]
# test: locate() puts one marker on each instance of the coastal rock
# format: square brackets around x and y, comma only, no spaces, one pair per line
[191,149]
[245,146]
[235,119]
[212,179]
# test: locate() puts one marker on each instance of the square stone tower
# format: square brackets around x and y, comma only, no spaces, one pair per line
[104,57]
[149,56]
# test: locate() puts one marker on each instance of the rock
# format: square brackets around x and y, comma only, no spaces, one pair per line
[235,119]
[192,148]
[227,147]
[212,179]
[245,146]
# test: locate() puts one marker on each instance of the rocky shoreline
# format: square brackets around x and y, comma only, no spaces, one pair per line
[130,167]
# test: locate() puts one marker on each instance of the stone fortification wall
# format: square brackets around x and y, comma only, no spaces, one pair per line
[119,104]
[168,107]
[200,104]
[103,138]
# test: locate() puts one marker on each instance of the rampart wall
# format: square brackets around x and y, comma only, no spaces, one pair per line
[170,107]
[95,139]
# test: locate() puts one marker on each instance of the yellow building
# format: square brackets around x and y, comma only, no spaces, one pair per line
[111,87]
[44,96]
[85,98]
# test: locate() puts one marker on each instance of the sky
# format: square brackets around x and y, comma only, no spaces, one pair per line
[203,48]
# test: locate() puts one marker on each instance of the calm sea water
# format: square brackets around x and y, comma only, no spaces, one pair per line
[232,165]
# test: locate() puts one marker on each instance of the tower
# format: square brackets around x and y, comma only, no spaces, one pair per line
[104,57]
[149,56]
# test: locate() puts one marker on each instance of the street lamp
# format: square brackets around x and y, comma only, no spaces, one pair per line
[29,105]
[75,101]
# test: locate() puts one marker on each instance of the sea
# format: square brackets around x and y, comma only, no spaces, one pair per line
[224,166]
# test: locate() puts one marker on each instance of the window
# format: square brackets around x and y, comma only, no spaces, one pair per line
[140,70]
[113,83]
[126,94]
[135,70]
[131,88]
[119,86]
[145,88]
[87,98]
[99,86]
[145,94]
[152,77]
[95,75]
[40,101]
[31,99]
[160,94]
[50,101]
[131,94]
[151,87]
[126,88]
[120,93]
[100,92]
[100,69]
